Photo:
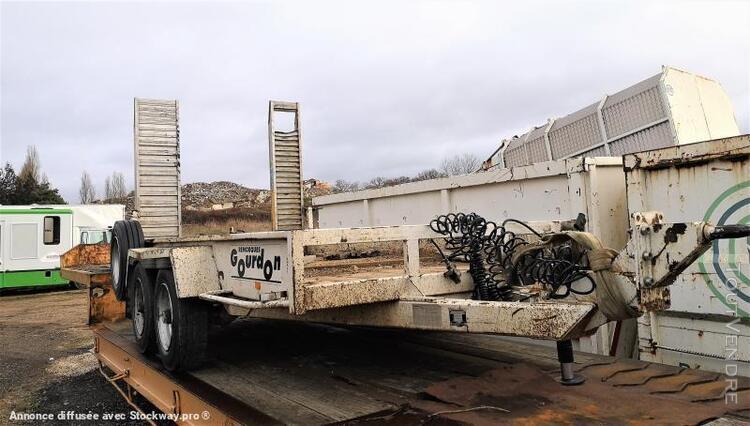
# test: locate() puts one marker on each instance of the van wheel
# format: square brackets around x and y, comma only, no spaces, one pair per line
[181,326]
[142,305]
[126,234]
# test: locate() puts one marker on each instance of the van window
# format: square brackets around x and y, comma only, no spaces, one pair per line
[24,241]
[51,230]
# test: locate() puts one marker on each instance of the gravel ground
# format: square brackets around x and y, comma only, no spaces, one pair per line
[47,365]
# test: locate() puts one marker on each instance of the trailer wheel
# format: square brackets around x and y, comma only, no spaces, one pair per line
[181,326]
[126,234]
[142,305]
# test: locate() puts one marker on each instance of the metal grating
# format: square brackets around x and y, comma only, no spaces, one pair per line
[285,151]
[537,150]
[515,157]
[571,138]
[596,152]
[658,136]
[624,121]
[156,137]
[633,112]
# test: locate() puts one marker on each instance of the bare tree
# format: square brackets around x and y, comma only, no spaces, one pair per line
[107,188]
[428,174]
[114,187]
[342,185]
[86,193]
[119,189]
[459,164]
[376,182]
[31,169]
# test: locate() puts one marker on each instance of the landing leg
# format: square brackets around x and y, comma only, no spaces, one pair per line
[565,356]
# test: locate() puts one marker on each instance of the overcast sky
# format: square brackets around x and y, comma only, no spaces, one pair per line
[386,88]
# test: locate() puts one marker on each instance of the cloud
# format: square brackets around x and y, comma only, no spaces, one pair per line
[387,88]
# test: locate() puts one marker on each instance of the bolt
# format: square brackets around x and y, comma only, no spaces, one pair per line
[648,282]
[646,255]
[645,230]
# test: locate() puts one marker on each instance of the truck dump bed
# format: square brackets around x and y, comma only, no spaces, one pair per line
[268,371]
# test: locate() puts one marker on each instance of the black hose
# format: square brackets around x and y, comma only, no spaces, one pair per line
[489,248]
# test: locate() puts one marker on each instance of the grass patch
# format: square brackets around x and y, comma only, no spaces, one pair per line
[218,222]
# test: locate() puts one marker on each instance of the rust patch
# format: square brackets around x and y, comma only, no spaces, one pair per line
[86,254]
[679,382]
[608,371]
[656,299]
[643,376]
[533,397]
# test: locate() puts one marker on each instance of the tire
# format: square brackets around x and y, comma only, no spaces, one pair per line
[142,305]
[126,234]
[180,325]
[118,258]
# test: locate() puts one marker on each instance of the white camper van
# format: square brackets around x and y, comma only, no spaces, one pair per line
[32,238]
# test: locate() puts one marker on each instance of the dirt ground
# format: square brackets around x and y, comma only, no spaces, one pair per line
[47,363]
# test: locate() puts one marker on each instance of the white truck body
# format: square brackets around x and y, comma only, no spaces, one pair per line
[597,187]
[707,324]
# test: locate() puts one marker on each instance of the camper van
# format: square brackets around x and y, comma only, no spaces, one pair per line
[32,238]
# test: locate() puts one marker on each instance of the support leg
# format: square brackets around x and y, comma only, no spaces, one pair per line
[565,356]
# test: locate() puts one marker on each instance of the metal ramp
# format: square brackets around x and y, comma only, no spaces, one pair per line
[156,139]
[285,151]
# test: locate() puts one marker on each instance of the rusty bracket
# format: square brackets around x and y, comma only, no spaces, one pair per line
[128,396]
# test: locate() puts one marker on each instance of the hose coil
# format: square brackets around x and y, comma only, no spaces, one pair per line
[489,249]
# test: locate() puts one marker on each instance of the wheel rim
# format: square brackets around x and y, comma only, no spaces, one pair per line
[115,262]
[164,317]
[139,320]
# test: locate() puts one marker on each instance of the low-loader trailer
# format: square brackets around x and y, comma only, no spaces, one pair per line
[541,280]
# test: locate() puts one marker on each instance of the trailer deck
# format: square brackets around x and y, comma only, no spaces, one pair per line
[316,374]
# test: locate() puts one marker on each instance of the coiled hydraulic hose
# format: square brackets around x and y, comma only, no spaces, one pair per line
[489,249]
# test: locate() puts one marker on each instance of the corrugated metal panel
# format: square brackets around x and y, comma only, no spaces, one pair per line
[286,169]
[596,152]
[658,136]
[515,142]
[515,157]
[624,114]
[575,133]
[537,150]
[156,134]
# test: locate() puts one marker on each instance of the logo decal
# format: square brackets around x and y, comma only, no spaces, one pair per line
[731,207]
[249,259]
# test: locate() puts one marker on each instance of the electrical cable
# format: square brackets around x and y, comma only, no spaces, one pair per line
[489,250]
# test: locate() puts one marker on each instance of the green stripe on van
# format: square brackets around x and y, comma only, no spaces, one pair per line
[36,211]
[18,279]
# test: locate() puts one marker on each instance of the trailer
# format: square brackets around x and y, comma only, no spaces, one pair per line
[207,308]
[32,238]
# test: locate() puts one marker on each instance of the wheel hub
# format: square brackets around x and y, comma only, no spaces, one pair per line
[139,320]
[164,317]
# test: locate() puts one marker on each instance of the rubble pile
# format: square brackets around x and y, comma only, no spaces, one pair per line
[221,195]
